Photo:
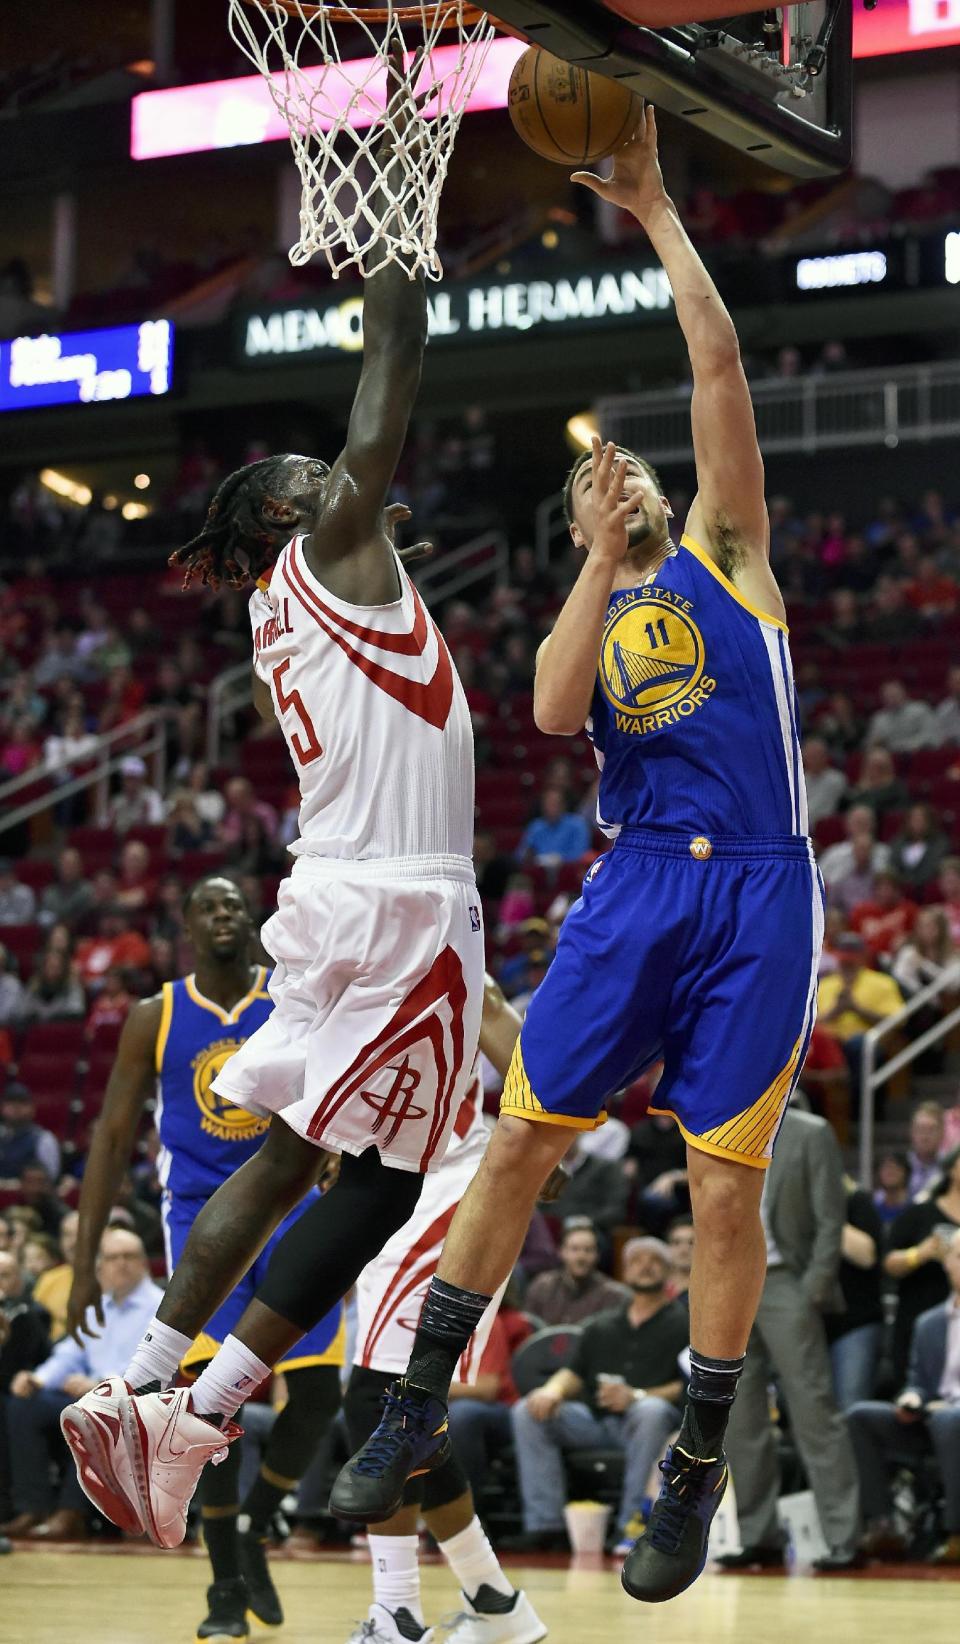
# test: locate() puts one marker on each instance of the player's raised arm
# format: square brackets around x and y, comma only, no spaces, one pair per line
[730,511]
[131,1082]
[394,337]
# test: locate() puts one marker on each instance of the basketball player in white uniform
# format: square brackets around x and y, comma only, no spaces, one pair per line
[390,1292]
[377,937]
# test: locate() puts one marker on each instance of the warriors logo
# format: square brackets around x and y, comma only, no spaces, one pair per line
[222,1118]
[652,662]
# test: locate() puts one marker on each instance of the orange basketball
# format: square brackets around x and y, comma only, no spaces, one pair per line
[566,114]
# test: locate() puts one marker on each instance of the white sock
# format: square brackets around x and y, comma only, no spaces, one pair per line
[474,1562]
[396,1573]
[232,1375]
[158,1356]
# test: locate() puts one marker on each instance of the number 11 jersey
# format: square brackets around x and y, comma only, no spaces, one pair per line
[374,716]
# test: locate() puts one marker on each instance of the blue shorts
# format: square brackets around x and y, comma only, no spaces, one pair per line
[324,1344]
[702,952]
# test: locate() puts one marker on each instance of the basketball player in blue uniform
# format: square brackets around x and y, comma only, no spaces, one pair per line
[174,1045]
[698,935]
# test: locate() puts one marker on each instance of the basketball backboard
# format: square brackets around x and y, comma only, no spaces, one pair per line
[773,83]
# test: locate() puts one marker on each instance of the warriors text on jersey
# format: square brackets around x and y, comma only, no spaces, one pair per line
[374,716]
[694,717]
[203,1139]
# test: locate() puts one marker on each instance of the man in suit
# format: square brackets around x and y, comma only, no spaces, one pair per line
[802,1212]
[925,1418]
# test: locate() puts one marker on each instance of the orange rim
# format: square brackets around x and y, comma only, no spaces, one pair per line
[336,11]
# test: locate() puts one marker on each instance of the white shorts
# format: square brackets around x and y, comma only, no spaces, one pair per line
[378,991]
[391,1289]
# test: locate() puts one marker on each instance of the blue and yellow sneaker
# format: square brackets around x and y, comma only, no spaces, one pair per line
[669,1557]
[412,1438]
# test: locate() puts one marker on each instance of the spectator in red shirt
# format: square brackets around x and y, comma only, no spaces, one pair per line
[887,920]
[115,947]
[480,1414]
[20,750]
[931,593]
[109,1009]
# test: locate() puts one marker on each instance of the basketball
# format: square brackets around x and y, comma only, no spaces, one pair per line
[565,114]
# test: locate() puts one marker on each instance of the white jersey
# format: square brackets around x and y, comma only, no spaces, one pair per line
[374,716]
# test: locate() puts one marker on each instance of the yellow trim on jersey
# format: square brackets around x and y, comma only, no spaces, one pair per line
[229,1018]
[336,1353]
[518,1098]
[163,1031]
[710,1147]
[731,587]
[755,1127]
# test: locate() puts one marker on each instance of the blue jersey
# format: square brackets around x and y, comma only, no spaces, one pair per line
[203,1139]
[694,715]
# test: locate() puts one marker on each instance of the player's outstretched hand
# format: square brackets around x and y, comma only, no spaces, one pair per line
[85,1293]
[395,515]
[636,182]
[611,508]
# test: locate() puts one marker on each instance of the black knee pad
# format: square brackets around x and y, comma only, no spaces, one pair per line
[326,1249]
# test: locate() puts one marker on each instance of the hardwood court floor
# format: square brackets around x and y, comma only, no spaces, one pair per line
[138,1597]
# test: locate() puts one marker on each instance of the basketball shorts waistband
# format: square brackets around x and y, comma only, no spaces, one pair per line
[795,847]
[459,868]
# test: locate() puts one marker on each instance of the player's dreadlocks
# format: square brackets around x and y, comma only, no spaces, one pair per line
[236,542]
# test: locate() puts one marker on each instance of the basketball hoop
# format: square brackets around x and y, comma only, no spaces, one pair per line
[372,149]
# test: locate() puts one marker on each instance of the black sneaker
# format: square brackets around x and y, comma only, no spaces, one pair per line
[753,1558]
[669,1557]
[227,1612]
[262,1596]
[412,1438]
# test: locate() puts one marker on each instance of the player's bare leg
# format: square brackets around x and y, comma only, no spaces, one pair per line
[491,1223]
[730,1254]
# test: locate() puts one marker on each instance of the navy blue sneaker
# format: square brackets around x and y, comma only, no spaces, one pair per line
[669,1557]
[412,1438]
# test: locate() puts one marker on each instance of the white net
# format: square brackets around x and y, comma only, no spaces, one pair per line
[372,147]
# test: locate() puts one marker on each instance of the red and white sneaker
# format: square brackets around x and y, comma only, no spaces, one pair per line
[168,1446]
[94,1434]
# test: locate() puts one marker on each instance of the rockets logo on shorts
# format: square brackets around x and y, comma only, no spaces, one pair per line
[397,1103]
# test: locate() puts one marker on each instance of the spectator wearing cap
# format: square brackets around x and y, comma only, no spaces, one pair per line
[137,805]
[855,997]
[900,724]
[576,1290]
[826,786]
[557,834]
[802,1211]
[70,897]
[622,1389]
[886,919]
[22,1141]
[17,901]
[11,990]
[919,849]
[130,1300]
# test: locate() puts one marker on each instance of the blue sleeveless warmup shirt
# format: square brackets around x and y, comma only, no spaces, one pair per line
[203,1139]
[694,716]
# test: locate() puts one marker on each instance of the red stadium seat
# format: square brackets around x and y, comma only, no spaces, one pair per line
[47,1073]
[34,873]
[22,941]
[60,1038]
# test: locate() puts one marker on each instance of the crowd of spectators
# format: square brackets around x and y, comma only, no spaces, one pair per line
[90,919]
